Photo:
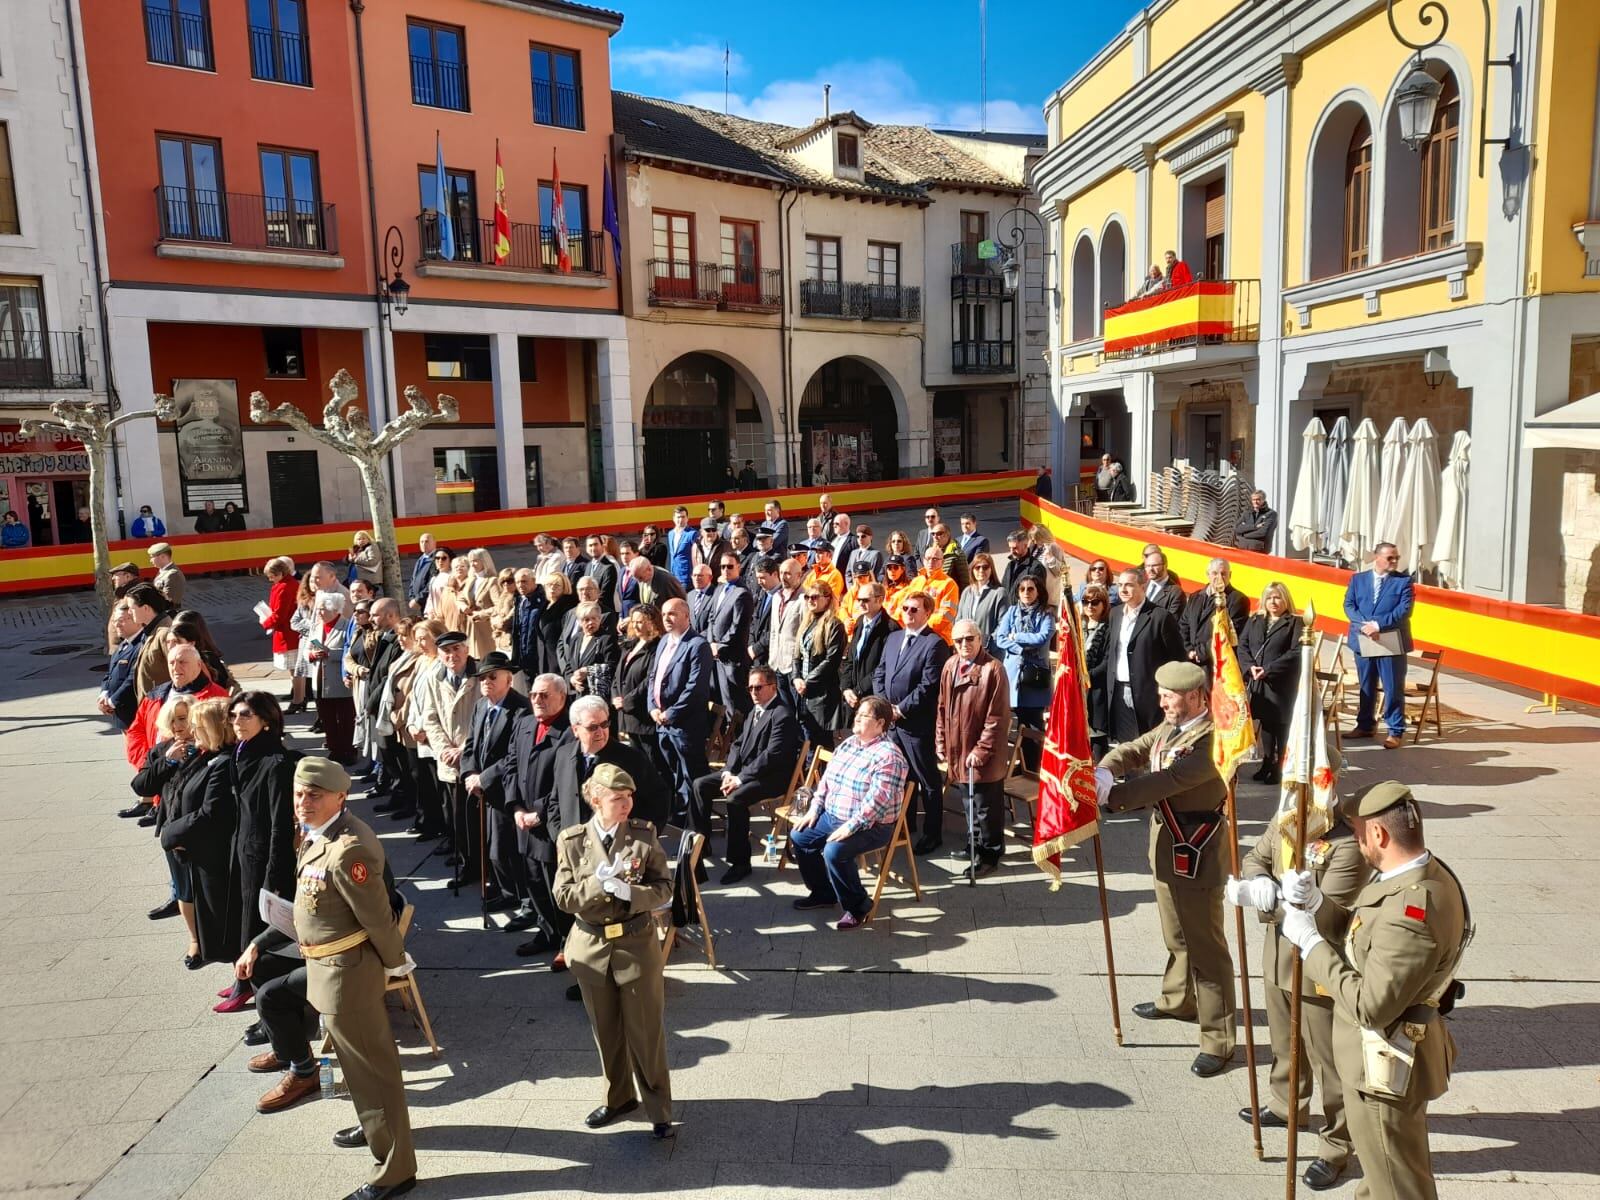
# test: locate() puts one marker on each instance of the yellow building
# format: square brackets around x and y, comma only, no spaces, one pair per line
[1341,270]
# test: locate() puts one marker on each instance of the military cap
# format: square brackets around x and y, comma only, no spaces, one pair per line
[321,773]
[609,775]
[862,568]
[449,638]
[1180,676]
[159,548]
[821,545]
[1376,798]
[766,530]
[125,568]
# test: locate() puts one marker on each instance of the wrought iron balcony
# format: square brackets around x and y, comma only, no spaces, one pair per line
[860,301]
[36,360]
[533,247]
[743,288]
[983,358]
[438,83]
[279,55]
[559,104]
[964,260]
[1207,312]
[177,39]
[244,221]
[680,282]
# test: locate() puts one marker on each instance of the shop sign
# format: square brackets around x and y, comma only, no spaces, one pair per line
[44,464]
[685,417]
[210,444]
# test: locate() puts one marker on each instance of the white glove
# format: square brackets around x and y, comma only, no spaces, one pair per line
[1300,927]
[1104,781]
[1258,892]
[403,969]
[1301,890]
[621,890]
[605,870]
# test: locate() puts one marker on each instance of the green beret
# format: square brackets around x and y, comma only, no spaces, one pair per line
[1376,798]
[609,775]
[321,773]
[1180,676]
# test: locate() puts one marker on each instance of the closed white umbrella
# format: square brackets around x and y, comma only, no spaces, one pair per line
[1391,468]
[1335,480]
[1417,510]
[1361,497]
[1305,514]
[1449,544]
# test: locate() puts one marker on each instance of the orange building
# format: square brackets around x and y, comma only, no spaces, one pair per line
[249,247]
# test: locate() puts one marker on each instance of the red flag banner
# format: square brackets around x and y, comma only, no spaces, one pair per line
[1067,812]
[502,215]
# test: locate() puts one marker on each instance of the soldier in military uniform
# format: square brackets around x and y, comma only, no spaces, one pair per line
[1334,861]
[1391,978]
[611,874]
[1187,858]
[350,941]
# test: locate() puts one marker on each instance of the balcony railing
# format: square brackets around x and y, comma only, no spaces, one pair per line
[1205,313]
[860,301]
[680,281]
[983,358]
[35,360]
[176,39]
[559,104]
[438,83]
[964,260]
[533,247]
[244,221]
[280,56]
[742,287]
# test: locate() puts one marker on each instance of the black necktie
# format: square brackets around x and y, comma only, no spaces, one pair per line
[605,842]
[588,767]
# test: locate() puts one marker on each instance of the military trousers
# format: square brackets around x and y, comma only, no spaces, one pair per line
[1390,1137]
[621,982]
[1316,1054]
[1198,981]
[371,1065]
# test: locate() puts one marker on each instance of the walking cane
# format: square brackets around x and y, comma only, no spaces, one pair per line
[972,836]
[483,859]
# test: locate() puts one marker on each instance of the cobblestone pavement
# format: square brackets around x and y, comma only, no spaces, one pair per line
[959,1047]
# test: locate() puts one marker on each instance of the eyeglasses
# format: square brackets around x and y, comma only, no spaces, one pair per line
[966,637]
[815,596]
[756,686]
[730,566]
[241,715]
[594,726]
[1027,587]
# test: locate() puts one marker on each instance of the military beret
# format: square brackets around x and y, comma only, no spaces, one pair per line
[1180,676]
[321,773]
[159,548]
[125,568]
[452,637]
[609,775]
[1376,798]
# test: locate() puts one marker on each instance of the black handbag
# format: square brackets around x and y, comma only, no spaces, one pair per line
[1033,675]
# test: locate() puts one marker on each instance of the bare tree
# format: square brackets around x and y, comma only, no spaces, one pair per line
[345,428]
[92,424]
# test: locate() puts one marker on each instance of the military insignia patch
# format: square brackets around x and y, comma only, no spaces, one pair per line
[359,872]
[1416,913]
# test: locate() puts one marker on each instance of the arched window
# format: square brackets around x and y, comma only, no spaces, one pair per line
[1438,221]
[1358,197]
[1083,314]
[1113,270]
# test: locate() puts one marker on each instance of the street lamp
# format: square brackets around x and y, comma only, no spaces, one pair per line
[1414,103]
[1014,244]
[1418,97]
[394,294]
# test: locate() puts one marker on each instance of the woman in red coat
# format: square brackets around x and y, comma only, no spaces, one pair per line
[281,603]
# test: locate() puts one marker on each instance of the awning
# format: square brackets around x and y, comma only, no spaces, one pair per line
[1574,426]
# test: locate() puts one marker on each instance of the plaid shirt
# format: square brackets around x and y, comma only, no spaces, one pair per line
[864,784]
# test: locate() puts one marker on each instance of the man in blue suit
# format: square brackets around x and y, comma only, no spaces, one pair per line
[972,542]
[1378,603]
[907,676]
[680,540]
[680,690]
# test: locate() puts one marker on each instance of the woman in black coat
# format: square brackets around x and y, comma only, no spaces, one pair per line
[819,650]
[1269,656]
[201,829]
[553,622]
[630,688]
[167,765]
[1096,605]
[263,783]
[590,653]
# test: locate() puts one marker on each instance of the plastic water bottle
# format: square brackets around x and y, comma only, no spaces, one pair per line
[770,853]
[325,1078]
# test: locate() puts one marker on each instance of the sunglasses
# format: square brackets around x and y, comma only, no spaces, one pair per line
[970,637]
[594,726]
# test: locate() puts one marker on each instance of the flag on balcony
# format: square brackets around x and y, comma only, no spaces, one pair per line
[502,216]
[441,202]
[558,217]
[609,215]
[1067,812]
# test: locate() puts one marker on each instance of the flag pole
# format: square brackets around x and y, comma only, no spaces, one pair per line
[1308,698]
[1105,929]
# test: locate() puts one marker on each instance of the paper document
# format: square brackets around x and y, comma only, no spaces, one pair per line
[1385,645]
[278,913]
[262,611]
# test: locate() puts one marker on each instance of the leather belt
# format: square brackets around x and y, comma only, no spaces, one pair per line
[338,946]
[613,930]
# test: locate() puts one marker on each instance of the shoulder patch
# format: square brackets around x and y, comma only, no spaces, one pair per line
[358,872]
[1416,908]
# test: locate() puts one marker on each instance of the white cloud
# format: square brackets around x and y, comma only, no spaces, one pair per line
[697,59]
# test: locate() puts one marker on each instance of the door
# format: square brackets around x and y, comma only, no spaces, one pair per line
[295,487]
[739,279]
[71,504]
[24,357]
[191,189]
[683,462]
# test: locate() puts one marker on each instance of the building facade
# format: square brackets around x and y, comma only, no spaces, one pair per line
[813,301]
[1341,271]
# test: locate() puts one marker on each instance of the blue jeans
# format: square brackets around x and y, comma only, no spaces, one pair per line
[1390,671]
[182,880]
[829,868]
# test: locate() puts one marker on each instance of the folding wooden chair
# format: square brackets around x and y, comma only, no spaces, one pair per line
[885,863]
[1332,684]
[781,804]
[690,847]
[1424,692]
[1022,784]
[410,993]
[785,812]
[718,740]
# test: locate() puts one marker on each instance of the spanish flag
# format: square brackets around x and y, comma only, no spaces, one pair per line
[1233,734]
[502,216]
[1067,812]
[1307,764]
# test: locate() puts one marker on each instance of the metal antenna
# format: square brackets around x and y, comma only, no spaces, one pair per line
[727,60]
[983,66]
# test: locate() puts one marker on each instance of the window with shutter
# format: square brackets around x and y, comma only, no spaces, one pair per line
[1358,197]
[1439,170]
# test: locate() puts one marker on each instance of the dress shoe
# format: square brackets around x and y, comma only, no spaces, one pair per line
[137,810]
[522,921]
[1322,1174]
[810,901]
[193,961]
[982,868]
[316,726]
[928,844]
[402,814]
[162,911]
[848,921]
[373,1191]
[1392,742]
[427,835]
[386,804]
[735,873]
[1361,733]
[1151,1012]
[1269,1119]
[1261,773]
[605,1114]
[662,1130]
[235,1002]
[1207,1065]
[146,821]
[501,904]
[540,943]
[266,1063]
[349,1139]
[257,1035]
[290,1090]
[575,993]
[961,854]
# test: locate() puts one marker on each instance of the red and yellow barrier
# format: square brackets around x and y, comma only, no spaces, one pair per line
[1191,311]
[1543,649]
[54,568]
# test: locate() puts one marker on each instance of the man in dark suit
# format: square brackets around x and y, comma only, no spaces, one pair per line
[699,600]
[1195,626]
[499,708]
[603,569]
[864,650]
[575,760]
[531,602]
[529,775]
[422,573]
[1142,636]
[773,512]
[1162,587]
[727,632]
[1378,603]
[760,765]
[765,593]
[402,788]
[841,538]
[972,542]
[907,677]
[680,690]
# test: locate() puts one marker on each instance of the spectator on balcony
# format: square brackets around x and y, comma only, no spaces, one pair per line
[1103,474]
[209,520]
[1154,282]
[148,525]
[1256,527]
[1120,489]
[1178,273]
[13,534]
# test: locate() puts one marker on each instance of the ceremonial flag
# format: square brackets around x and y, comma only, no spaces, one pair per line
[1067,812]
[558,217]
[502,215]
[609,217]
[441,202]
[1233,734]
[1307,763]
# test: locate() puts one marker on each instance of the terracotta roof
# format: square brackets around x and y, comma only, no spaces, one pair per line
[573,8]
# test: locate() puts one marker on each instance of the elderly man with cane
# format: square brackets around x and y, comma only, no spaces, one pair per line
[972,732]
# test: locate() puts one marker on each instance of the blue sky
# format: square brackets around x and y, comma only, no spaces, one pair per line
[894,61]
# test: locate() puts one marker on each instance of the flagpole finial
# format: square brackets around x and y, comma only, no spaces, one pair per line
[1308,634]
